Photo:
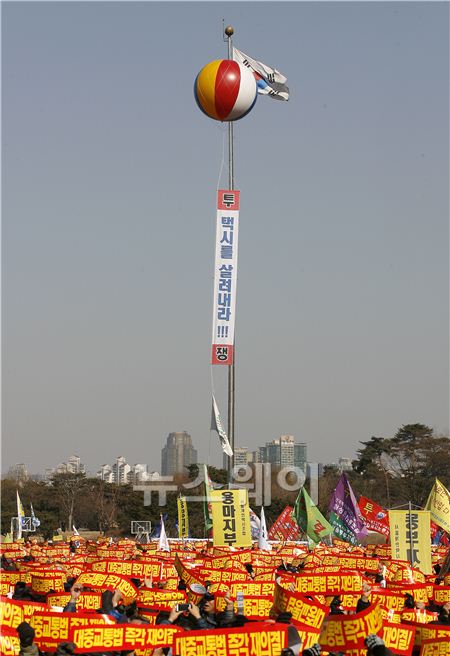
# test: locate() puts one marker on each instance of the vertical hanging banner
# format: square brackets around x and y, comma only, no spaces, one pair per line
[225,276]
[410,538]
[183,521]
[231,518]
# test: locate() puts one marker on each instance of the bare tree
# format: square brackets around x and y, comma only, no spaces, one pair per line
[106,498]
[67,488]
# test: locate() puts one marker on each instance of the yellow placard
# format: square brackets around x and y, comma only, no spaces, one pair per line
[183,520]
[410,538]
[231,518]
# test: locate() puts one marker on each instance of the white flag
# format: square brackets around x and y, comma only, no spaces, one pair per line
[263,541]
[269,81]
[163,544]
[255,524]
[34,520]
[75,532]
[216,424]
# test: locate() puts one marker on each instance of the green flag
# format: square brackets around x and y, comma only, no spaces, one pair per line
[207,509]
[309,518]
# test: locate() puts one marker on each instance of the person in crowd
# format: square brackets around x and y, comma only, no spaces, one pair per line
[364,601]
[202,616]
[250,570]
[376,647]
[112,605]
[336,606]
[26,635]
[443,614]
[7,564]
[207,618]
[284,618]
[314,650]
[71,606]
[22,592]
[65,649]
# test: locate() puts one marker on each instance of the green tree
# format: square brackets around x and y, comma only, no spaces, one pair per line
[374,479]
[401,469]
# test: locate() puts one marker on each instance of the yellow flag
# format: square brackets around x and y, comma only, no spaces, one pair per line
[231,518]
[439,505]
[410,538]
[183,520]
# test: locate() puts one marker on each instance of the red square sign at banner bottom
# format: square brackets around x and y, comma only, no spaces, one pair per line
[222,354]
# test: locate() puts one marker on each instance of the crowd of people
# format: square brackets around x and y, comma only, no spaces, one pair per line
[193,588]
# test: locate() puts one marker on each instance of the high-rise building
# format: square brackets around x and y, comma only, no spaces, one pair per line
[284,452]
[242,456]
[72,466]
[75,466]
[105,473]
[312,472]
[345,464]
[177,454]
[121,471]
[18,472]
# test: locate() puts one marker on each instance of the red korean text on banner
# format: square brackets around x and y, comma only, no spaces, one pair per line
[347,632]
[108,582]
[261,639]
[127,637]
[436,647]
[87,601]
[9,642]
[399,638]
[328,584]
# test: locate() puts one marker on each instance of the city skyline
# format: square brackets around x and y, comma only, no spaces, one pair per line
[109,183]
[110,472]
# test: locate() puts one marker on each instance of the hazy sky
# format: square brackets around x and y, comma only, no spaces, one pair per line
[109,182]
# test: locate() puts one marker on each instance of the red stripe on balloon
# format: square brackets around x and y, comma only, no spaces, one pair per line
[228,80]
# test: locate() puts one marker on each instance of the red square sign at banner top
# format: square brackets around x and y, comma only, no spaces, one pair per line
[228,199]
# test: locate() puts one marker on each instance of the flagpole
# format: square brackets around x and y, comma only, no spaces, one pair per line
[229,31]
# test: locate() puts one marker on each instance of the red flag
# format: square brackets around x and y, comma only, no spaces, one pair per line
[284,527]
[375,517]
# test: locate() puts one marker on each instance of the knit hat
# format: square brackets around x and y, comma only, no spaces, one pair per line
[373,640]
[26,634]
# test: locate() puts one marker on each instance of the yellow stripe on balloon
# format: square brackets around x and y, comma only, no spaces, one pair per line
[206,83]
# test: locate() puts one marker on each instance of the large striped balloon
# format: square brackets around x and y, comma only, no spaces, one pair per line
[225,90]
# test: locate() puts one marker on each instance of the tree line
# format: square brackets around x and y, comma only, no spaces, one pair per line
[392,471]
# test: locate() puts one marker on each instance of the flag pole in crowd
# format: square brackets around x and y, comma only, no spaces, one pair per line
[231,368]
[20,516]
[226,90]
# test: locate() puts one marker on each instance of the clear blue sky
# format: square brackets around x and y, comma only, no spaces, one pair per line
[109,180]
